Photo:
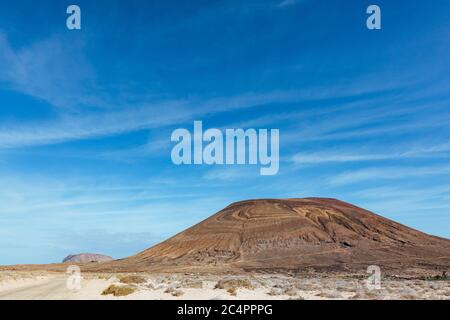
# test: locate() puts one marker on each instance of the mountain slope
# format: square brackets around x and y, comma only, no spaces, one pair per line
[293,234]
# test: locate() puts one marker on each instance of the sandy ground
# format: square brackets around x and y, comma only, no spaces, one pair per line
[48,286]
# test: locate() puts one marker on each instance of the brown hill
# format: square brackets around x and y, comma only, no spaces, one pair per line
[86,258]
[293,234]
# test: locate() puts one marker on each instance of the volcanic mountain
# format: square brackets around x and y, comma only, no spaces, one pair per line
[316,234]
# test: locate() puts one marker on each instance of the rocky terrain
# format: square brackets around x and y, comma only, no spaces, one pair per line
[50,285]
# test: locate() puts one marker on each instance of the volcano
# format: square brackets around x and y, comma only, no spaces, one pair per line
[293,234]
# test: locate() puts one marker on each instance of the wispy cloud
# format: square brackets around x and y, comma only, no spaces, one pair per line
[230,173]
[89,124]
[387,173]
[403,192]
[59,73]
[287,3]
[440,150]
[54,70]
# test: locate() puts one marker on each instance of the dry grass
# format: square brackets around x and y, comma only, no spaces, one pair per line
[177,293]
[274,292]
[133,279]
[366,295]
[409,294]
[234,283]
[291,291]
[232,291]
[192,284]
[297,298]
[104,276]
[174,292]
[169,290]
[330,294]
[119,291]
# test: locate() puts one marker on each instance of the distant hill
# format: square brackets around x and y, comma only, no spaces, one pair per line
[86,258]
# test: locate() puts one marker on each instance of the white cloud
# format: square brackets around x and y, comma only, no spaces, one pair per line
[89,125]
[387,173]
[231,173]
[403,192]
[346,156]
[58,72]
[53,70]
[85,125]
[286,3]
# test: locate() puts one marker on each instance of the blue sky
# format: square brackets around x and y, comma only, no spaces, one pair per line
[86,116]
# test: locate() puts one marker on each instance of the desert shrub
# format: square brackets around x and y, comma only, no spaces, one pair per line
[132,279]
[297,298]
[358,296]
[174,292]
[445,293]
[232,291]
[290,291]
[169,290]
[119,290]
[306,286]
[274,292]
[408,294]
[234,283]
[371,294]
[366,295]
[192,284]
[150,286]
[262,283]
[330,294]
[438,277]
[177,293]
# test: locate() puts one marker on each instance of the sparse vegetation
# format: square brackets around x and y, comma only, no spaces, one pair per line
[330,294]
[169,290]
[133,279]
[104,276]
[438,277]
[232,291]
[192,284]
[278,286]
[234,283]
[177,293]
[274,292]
[297,298]
[290,291]
[365,294]
[118,291]
[174,292]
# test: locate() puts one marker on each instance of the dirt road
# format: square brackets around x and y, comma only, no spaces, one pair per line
[51,288]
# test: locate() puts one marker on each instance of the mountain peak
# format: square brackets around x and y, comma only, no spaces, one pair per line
[293,234]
